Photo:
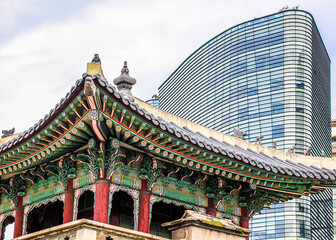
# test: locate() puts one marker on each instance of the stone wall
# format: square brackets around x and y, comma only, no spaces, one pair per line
[88,230]
[192,226]
[197,226]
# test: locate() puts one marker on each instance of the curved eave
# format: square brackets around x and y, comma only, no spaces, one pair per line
[119,117]
[211,153]
[51,137]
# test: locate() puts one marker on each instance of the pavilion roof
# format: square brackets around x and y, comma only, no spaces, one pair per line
[68,127]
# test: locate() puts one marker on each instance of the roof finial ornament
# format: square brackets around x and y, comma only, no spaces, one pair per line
[292,149]
[125,68]
[124,82]
[258,140]
[322,153]
[7,133]
[96,58]
[239,133]
[89,87]
[308,151]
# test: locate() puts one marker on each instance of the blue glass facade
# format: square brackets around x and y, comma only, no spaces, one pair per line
[154,101]
[269,77]
[289,220]
[257,77]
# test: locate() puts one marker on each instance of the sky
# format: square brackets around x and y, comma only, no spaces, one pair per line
[45,45]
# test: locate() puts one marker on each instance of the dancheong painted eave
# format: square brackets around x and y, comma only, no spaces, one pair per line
[95,109]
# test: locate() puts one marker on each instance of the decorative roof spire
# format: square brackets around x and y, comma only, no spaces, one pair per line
[124,82]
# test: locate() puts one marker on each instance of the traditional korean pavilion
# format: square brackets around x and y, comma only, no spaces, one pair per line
[104,155]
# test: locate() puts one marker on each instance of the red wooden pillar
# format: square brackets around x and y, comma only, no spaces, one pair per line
[18,225]
[211,210]
[101,204]
[69,203]
[244,220]
[143,218]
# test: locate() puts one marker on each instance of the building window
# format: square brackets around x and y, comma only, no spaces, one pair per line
[302,229]
[301,85]
[252,91]
[161,213]
[300,110]
[45,216]
[7,231]
[122,210]
[278,131]
[85,205]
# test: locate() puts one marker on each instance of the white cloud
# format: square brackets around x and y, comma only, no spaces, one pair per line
[39,66]
[10,11]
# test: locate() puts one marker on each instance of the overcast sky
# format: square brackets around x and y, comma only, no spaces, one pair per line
[45,45]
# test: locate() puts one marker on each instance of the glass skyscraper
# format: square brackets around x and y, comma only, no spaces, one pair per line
[269,77]
[154,101]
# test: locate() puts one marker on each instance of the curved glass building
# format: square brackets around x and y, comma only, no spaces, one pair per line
[269,77]
[259,76]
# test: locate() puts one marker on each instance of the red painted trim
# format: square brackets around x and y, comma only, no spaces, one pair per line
[96,130]
[94,123]
[91,102]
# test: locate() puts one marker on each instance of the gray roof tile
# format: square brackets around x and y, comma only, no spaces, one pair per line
[247,156]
